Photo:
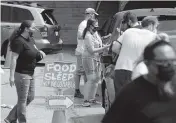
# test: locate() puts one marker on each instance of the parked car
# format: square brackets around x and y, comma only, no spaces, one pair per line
[48,35]
[167,20]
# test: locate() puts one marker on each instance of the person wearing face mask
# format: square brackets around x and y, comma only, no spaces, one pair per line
[150,98]
[90,13]
[130,46]
[91,61]
[140,68]
[25,55]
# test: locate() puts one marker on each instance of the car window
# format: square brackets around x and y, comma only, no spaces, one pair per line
[167,22]
[5,13]
[20,15]
[48,17]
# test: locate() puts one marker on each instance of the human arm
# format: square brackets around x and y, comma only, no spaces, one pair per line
[81,28]
[17,48]
[106,36]
[90,45]
[12,67]
[116,45]
[40,55]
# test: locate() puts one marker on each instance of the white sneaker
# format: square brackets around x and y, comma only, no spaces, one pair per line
[86,103]
[95,102]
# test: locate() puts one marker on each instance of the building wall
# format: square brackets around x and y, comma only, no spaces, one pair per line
[70,13]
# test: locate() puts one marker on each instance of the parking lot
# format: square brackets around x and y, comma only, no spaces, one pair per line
[77,114]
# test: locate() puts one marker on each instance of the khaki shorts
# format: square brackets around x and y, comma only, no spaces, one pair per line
[79,66]
[90,65]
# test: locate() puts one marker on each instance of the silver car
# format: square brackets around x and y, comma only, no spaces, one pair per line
[48,35]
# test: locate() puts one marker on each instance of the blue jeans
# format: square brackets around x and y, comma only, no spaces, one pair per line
[25,91]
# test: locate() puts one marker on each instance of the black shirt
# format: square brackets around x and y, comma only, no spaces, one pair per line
[139,102]
[28,55]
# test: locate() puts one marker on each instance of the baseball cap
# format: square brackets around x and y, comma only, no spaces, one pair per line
[91,11]
[149,20]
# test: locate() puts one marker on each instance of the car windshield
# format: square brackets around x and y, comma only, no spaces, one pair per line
[48,17]
[166,22]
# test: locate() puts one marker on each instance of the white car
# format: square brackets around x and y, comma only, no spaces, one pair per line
[13,13]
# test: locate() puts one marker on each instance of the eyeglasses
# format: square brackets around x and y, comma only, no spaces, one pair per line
[165,62]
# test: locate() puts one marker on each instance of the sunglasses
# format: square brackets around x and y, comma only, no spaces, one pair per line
[164,62]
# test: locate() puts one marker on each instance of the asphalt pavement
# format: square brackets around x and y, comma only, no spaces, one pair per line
[37,111]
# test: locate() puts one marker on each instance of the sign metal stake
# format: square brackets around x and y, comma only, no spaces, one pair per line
[59,115]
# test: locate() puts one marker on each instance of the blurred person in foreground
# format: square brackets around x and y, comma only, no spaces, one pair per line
[130,46]
[25,55]
[140,68]
[91,61]
[150,98]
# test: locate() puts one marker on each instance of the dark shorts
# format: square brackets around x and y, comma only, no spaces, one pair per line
[122,77]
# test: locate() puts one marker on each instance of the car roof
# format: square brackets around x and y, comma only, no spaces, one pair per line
[149,12]
[37,8]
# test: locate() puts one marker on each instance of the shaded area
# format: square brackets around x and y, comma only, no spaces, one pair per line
[149,4]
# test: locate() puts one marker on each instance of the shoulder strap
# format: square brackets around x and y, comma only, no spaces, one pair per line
[110,48]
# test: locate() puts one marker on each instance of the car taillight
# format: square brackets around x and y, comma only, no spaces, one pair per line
[44,32]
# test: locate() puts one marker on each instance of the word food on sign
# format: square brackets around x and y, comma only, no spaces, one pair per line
[59,75]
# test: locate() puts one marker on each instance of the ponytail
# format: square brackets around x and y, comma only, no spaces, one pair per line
[84,32]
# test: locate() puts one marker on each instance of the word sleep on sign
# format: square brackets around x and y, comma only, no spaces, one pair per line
[59,75]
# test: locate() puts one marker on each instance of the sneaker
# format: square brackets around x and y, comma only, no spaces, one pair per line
[78,94]
[95,102]
[86,103]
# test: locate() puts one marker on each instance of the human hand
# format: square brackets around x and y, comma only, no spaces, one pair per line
[11,79]
[107,45]
[118,29]
[43,54]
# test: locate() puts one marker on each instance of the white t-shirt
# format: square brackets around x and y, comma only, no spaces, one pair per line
[140,69]
[133,42]
[80,42]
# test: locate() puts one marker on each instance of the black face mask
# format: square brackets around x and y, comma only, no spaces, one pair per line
[31,34]
[95,29]
[166,73]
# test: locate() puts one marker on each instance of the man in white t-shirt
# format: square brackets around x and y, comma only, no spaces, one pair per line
[90,13]
[130,46]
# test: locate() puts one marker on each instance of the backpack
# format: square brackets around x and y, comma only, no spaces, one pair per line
[4,48]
